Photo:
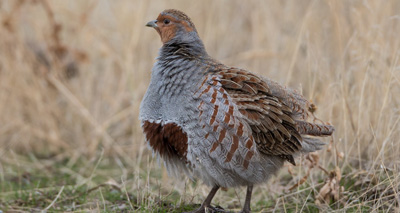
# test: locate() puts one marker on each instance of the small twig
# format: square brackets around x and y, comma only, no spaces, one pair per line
[127,195]
[323,169]
[301,181]
[54,201]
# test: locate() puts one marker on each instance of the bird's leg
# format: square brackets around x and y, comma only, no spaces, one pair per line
[207,202]
[246,207]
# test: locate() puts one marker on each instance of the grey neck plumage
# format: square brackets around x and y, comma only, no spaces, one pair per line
[186,45]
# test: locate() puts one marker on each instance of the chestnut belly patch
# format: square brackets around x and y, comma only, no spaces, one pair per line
[166,139]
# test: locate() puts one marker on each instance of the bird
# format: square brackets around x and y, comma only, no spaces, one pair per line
[223,125]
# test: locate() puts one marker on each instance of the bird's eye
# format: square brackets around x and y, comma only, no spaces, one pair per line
[166,21]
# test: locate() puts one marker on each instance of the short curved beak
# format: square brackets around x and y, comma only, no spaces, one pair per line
[152,23]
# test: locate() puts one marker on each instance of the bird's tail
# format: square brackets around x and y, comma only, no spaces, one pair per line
[311,144]
[306,128]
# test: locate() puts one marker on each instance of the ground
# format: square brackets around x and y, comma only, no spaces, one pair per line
[57,184]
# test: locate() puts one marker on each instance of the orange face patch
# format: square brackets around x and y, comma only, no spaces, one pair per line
[168,31]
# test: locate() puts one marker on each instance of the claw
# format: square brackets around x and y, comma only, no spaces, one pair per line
[209,209]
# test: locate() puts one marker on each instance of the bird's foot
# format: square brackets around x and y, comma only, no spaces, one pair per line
[209,209]
[245,211]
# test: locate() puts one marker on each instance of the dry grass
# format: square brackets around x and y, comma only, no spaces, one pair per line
[72,75]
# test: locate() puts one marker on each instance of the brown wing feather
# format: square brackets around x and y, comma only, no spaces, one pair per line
[271,119]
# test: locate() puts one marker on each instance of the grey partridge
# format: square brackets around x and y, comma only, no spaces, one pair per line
[226,126]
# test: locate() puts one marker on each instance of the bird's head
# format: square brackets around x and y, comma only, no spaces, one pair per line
[174,25]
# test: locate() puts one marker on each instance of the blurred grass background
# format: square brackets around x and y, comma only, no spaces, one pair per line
[73,73]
